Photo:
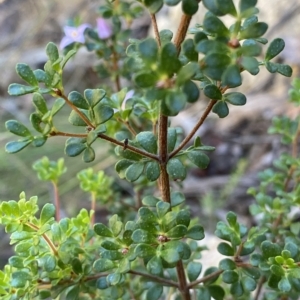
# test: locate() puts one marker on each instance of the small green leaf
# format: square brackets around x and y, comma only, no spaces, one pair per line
[134,171]
[198,158]
[25,72]
[17,128]
[221,109]
[102,265]
[284,70]
[162,208]
[284,285]
[213,92]
[16,262]
[177,198]
[76,265]
[250,64]
[227,264]
[230,276]
[190,7]
[154,265]
[93,97]
[148,141]
[47,213]
[78,100]
[177,232]
[57,106]
[16,89]
[145,79]
[176,169]
[231,219]
[73,293]
[191,90]
[67,57]
[150,201]
[169,62]
[166,35]
[19,279]
[247,4]
[152,170]
[175,101]
[16,146]
[88,155]
[153,5]
[195,232]
[231,76]
[249,284]
[183,217]
[215,64]
[40,103]
[155,292]
[75,119]
[193,270]
[213,6]
[148,50]
[52,52]
[143,236]
[254,31]
[187,72]
[275,47]
[226,7]
[217,292]
[214,25]
[170,255]
[144,251]
[270,249]
[172,138]
[102,113]
[188,49]
[235,98]
[74,149]
[225,249]
[103,230]
[236,288]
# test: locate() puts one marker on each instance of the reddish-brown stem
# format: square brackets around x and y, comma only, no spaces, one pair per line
[183,287]
[259,287]
[46,238]
[109,139]
[195,129]
[115,68]
[155,278]
[56,201]
[181,31]
[163,157]
[155,28]
[81,114]
[205,278]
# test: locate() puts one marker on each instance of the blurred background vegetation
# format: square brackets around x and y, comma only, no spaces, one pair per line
[243,147]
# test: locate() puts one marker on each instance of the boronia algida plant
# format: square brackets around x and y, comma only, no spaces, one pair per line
[149,250]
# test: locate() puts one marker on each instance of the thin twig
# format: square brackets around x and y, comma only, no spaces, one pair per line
[56,201]
[155,28]
[46,238]
[182,30]
[259,287]
[81,114]
[195,129]
[155,278]
[205,278]
[115,68]
[183,287]
[111,140]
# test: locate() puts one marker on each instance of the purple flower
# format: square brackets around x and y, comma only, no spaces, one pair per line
[104,29]
[73,34]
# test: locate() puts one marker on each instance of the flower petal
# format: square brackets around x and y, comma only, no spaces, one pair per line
[104,29]
[65,42]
